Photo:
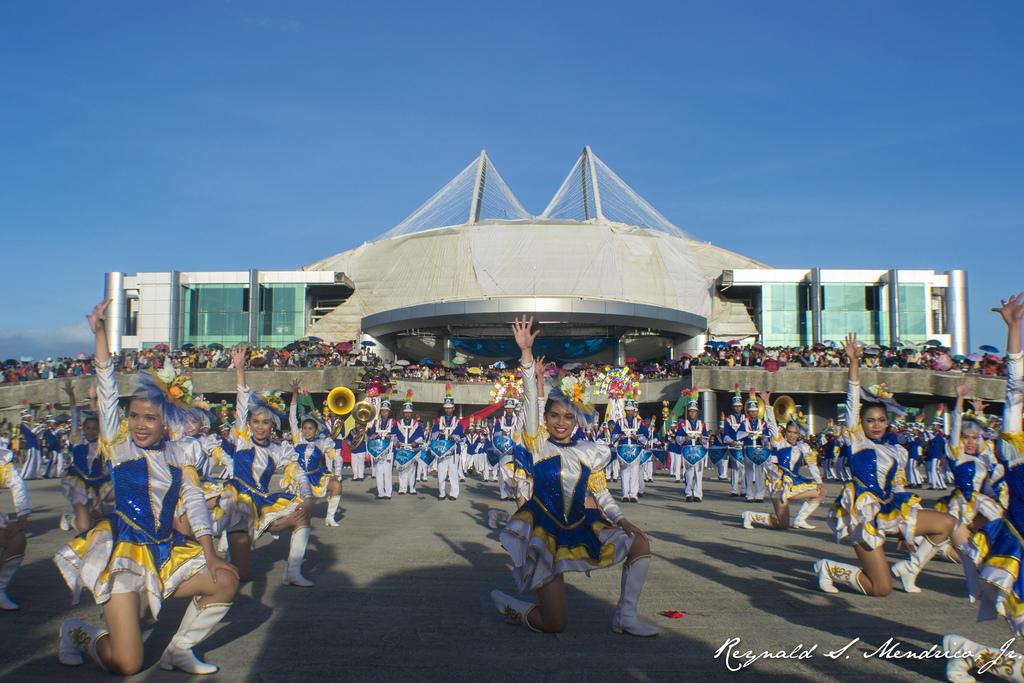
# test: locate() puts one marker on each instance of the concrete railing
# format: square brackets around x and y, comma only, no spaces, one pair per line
[921,385]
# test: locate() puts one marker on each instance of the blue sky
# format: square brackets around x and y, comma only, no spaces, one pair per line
[229,135]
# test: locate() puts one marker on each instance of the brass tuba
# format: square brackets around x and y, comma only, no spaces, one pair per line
[363,413]
[341,400]
[784,409]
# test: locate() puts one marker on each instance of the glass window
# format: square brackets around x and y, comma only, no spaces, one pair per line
[851,308]
[912,313]
[282,313]
[214,313]
[784,316]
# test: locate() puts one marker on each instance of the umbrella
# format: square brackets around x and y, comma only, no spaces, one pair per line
[343,346]
[872,350]
[500,365]
[25,359]
[188,347]
[10,362]
[959,358]
[258,362]
[671,361]
[447,364]
[974,357]
[401,362]
[942,362]
[475,371]
[933,342]
[733,342]
[427,361]
[831,344]
[413,367]
[215,346]
[459,371]
[758,347]
[631,360]
[988,349]
[771,365]
[685,355]
[993,358]
[81,356]
[367,343]
[160,347]
[571,366]
[310,340]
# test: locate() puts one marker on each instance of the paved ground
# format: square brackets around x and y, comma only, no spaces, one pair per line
[402,594]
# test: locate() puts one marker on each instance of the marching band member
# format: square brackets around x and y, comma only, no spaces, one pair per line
[730,436]
[86,482]
[994,557]
[868,508]
[509,424]
[911,440]
[695,433]
[556,530]
[12,534]
[936,451]
[751,434]
[381,428]
[136,551]
[786,484]
[31,446]
[408,436]
[316,457]
[674,435]
[971,465]
[251,507]
[630,430]
[448,428]
[476,448]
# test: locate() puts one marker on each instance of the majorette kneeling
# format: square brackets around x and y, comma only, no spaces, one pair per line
[556,531]
[137,550]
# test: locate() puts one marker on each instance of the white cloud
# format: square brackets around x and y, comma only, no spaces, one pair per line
[46,342]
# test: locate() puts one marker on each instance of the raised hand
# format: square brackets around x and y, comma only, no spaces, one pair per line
[852,348]
[522,331]
[69,389]
[766,396]
[98,316]
[961,389]
[1011,310]
[295,384]
[979,406]
[239,354]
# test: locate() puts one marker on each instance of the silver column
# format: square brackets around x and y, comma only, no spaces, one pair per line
[174,317]
[254,307]
[117,311]
[894,308]
[709,406]
[956,312]
[815,291]
[620,352]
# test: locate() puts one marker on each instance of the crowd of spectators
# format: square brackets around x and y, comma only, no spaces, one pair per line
[315,354]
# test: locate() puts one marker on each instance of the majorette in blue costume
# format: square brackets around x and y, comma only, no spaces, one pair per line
[408,437]
[692,435]
[380,446]
[14,538]
[973,500]
[252,507]
[86,482]
[136,552]
[316,456]
[730,437]
[873,505]
[996,551]
[446,437]
[555,531]
[789,453]
[629,437]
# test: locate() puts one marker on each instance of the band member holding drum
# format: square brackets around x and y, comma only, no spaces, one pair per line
[695,445]
[445,438]
[408,440]
[629,437]
[755,455]
[730,437]
[379,445]
[789,454]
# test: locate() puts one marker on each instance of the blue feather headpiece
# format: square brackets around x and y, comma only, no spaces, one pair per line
[878,393]
[170,392]
[271,402]
[574,392]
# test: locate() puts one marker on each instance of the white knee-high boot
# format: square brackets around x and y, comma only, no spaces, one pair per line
[515,610]
[907,570]
[296,553]
[967,655]
[332,510]
[195,626]
[625,619]
[800,521]
[750,518]
[78,638]
[7,571]
[830,572]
